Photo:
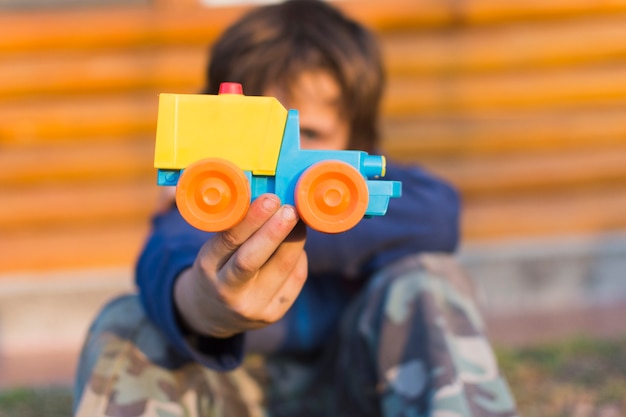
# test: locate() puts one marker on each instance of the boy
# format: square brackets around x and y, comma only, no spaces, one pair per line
[268,318]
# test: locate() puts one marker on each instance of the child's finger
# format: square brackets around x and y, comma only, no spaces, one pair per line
[251,256]
[288,290]
[221,246]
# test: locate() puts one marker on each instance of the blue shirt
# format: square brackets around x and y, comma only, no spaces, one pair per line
[424,219]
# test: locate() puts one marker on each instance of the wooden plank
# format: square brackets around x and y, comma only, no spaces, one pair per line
[81,162]
[397,14]
[36,120]
[496,11]
[570,212]
[78,72]
[524,45]
[66,205]
[415,138]
[479,176]
[86,246]
[515,90]
[82,28]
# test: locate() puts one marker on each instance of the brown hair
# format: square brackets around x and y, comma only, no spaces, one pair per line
[272,45]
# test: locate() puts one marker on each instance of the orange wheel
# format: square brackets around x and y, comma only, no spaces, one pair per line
[213,194]
[331,196]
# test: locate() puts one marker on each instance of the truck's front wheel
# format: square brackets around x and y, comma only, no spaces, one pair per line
[331,196]
[213,194]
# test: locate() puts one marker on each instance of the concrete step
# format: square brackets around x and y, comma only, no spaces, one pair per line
[44,318]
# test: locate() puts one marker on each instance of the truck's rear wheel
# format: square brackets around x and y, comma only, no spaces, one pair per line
[331,196]
[213,194]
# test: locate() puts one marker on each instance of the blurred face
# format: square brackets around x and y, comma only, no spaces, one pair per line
[316,96]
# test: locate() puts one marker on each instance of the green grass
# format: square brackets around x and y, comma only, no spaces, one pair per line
[36,402]
[578,377]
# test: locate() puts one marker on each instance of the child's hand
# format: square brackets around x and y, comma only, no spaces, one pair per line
[246,277]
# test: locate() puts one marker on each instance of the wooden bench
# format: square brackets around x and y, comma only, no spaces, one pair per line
[520,105]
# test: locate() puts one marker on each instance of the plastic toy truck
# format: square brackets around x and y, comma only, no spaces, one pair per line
[222,151]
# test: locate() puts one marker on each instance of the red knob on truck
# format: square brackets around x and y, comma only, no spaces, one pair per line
[231,88]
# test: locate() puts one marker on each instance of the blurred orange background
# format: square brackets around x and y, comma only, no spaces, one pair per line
[522,105]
